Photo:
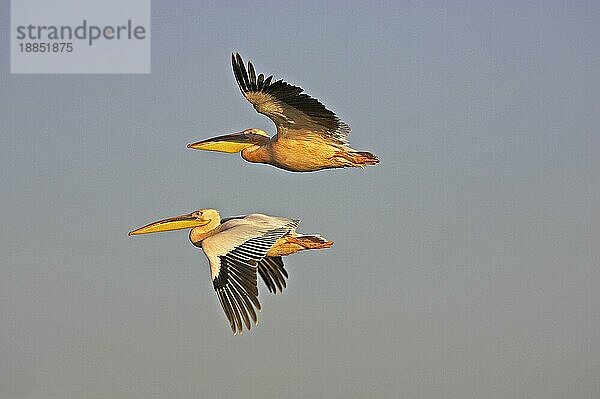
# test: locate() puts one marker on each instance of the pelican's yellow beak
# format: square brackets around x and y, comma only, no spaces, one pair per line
[175,223]
[229,143]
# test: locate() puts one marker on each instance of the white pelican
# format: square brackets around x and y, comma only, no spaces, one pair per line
[309,136]
[237,248]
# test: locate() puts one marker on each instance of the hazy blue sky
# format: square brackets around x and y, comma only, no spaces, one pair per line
[466,264]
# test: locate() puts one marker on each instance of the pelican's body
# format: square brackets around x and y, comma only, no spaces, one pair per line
[238,249]
[309,136]
[304,155]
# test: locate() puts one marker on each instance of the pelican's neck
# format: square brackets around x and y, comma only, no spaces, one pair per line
[256,154]
[197,234]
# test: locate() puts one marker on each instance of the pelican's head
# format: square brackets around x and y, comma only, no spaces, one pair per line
[235,142]
[201,223]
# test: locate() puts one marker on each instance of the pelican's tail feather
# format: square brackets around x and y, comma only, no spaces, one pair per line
[313,241]
[364,158]
[293,243]
[349,158]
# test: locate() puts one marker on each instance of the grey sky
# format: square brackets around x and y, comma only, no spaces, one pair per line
[466,264]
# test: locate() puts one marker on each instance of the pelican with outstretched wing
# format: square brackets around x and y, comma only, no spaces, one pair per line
[239,248]
[309,136]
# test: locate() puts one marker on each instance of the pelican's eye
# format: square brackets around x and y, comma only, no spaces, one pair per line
[197,214]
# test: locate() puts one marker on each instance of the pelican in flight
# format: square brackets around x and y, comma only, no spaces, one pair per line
[237,249]
[309,136]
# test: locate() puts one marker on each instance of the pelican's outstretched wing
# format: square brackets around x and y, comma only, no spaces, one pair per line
[294,112]
[235,253]
[273,273]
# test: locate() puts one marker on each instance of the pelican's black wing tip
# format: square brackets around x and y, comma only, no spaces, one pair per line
[239,71]
[234,58]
